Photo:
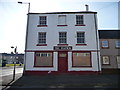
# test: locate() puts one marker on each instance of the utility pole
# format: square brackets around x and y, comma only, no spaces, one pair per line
[14,61]
[26,30]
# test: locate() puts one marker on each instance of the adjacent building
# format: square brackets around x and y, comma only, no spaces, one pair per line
[110,49]
[62,42]
[6,58]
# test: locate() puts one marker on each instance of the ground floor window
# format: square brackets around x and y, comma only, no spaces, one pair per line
[81,59]
[105,60]
[118,59]
[44,59]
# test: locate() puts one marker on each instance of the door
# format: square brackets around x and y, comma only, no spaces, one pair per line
[62,62]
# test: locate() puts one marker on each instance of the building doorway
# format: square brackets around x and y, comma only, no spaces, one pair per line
[62,62]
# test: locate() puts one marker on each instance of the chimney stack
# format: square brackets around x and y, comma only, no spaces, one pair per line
[87,7]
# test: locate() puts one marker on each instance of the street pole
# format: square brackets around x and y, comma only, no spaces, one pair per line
[26,31]
[14,62]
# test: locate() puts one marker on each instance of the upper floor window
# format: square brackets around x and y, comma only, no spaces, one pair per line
[79,20]
[105,44]
[62,37]
[80,37]
[42,38]
[43,20]
[61,20]
[117,44]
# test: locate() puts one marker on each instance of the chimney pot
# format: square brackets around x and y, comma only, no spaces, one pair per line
[87,7]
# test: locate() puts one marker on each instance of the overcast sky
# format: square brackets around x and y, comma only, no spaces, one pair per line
[13,17]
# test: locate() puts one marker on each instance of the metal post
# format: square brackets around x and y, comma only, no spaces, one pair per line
[15,51]
[26,32]
[14,71]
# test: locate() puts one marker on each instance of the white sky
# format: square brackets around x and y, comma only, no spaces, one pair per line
[13,17]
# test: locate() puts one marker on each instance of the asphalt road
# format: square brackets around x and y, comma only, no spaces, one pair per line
[6,74]
[104,81]
[9,70]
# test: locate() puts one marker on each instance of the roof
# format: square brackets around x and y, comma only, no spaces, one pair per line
[84,12]
[109,34]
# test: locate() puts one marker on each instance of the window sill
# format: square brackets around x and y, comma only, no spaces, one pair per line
[106,64]
[42,66]
[62,44]
[42,25]
[41,45]
[81,44]
[80,25]
[105,47]
[82,66]
[117,47]
[62,25]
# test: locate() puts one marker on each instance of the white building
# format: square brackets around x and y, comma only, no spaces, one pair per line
[62,42]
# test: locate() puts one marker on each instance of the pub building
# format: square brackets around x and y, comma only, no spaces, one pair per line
[62,42]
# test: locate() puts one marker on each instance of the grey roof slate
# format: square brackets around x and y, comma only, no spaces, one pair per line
[109,34]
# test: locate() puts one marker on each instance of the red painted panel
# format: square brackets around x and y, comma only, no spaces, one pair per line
[62,62]
[27,72]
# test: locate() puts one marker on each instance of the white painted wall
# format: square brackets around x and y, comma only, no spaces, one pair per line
[53,32]
[53,39]
[30,63]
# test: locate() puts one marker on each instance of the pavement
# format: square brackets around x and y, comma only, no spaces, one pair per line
[104,81]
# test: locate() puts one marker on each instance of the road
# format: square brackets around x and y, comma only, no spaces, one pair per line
[6,74]
[9,70]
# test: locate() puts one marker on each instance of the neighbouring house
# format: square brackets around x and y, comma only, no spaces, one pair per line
[110,49]
[62,42]
[7,58]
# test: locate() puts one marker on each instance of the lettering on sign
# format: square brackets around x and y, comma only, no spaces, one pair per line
[58,48]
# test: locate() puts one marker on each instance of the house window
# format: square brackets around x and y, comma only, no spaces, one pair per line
[62,37]
[43,59]
[79,20]
[43,20]
[104,44]
[105,60]
[81,59]
[117,44]
[61,20]
[80,38]
[118,59]
[42,38]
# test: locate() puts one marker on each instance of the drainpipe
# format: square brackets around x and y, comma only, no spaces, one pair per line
[97,43]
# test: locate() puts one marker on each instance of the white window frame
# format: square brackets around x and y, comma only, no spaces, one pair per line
[106,60]
[117,44]
[105,43]
[79,20]
[81,39]
[63,38]
[42,38]
[118,59]
[42,20]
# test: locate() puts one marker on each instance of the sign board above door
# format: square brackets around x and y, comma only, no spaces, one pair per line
[62,48]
